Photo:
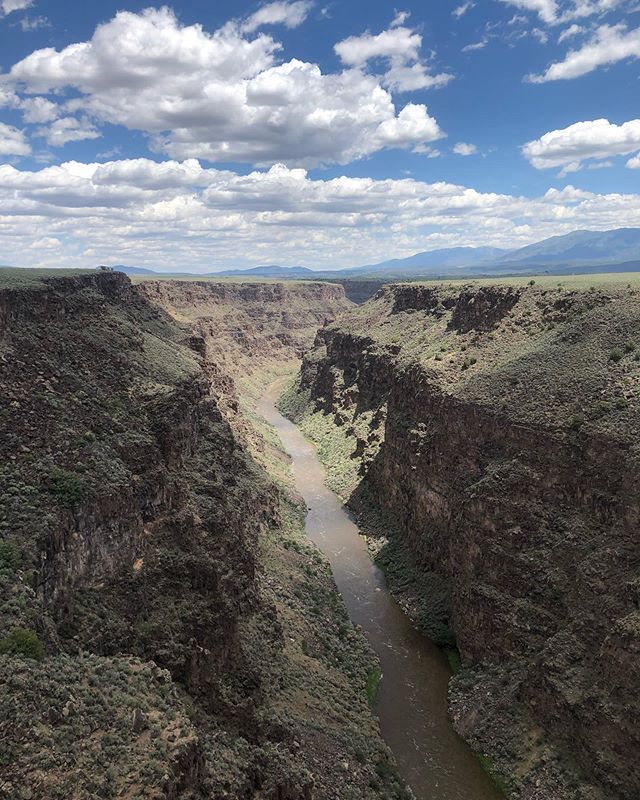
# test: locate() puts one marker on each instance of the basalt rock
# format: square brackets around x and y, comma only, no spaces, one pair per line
[508,466]
[155,585]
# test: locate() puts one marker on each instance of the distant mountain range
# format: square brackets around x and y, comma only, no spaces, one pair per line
[590,247]
[271,272]
[580,251]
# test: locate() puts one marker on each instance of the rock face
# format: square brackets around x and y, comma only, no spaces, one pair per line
[158,569]
[508,464]
[250,328]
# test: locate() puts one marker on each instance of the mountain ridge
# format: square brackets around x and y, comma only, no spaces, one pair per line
[579,249]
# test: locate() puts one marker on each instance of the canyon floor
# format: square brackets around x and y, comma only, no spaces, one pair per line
[168,631]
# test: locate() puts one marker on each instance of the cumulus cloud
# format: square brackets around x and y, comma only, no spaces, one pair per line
[68,129]
[9,6]
[222,96]
[291,15]
[181,215]
[400,18]
[400,48]
[609,44]
[8,98]
[465,149]
[634,163]
[412,124]
[39,110]
[397,42]
[13,141]
[595,139]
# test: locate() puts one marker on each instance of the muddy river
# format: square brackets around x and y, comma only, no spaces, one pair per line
[412,699]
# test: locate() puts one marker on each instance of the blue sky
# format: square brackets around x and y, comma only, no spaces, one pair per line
[204,135]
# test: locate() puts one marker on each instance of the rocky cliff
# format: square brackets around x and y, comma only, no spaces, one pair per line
[166,631]
[251,331]
[488,438]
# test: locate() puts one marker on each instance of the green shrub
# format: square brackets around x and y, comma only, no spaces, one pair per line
[576,422]
[454,659]
[629,346]
[68,487]
[616,354]
[469,362]
[10,556]
[601,409]
[373,682]
[23,643]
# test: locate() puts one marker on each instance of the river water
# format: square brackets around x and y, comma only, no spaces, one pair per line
[412,699]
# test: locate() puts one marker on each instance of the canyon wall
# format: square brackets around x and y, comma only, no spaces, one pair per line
[492,441]
[166,630]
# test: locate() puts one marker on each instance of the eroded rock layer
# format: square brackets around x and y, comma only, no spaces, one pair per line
[489,438]
[165,629]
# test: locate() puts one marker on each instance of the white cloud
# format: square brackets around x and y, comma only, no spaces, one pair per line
[540,35]
[221,96]
[570,32]
[68,129]
[400,48]
[409,78]
[413,124]
[9,6]
[289,14]
[569,147]
[400,18]
[34,23]
[634,163]
[8,98]
[465,149]
[610,44]
[468,48]
[547,10]
[13,141]
[557,12]
[460,11]
[179,215]
[393,43]
[39,110]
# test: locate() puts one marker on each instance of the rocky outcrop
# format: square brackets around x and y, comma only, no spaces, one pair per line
[508,465]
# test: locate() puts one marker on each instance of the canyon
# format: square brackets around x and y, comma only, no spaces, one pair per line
[487,439]
[167,628]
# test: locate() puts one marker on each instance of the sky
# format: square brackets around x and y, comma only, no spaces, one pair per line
[201,135]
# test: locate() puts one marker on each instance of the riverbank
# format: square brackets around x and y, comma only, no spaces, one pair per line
[412,694]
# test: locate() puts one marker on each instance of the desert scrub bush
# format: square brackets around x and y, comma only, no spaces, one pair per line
[469,362]
[615,355]
[67,487]
[629,346]
[576,422]
[23,643]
